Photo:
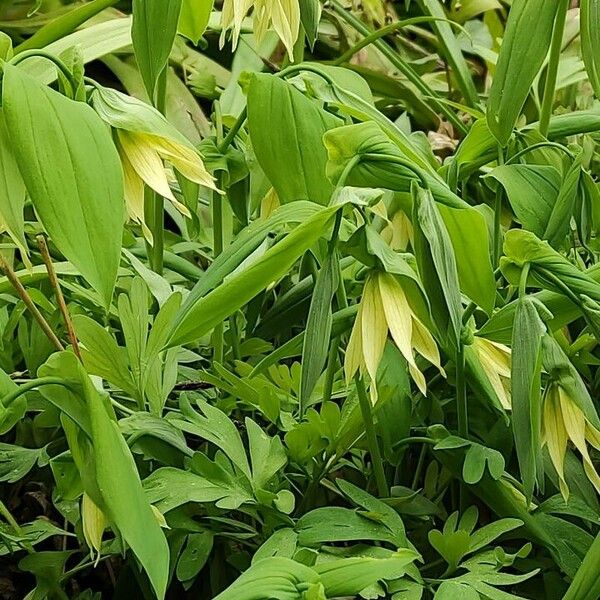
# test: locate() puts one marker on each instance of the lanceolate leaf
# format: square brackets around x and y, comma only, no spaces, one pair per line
[521,57]
[590,41]
[12,191]
[153,33]
[295,159]
[200,317]
[528,330]
[318,326]
[72,172]
[194,18]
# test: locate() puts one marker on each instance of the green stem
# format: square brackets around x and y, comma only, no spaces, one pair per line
[461,393]
[156,208]
[63,25]
[228,140]
[218,245]
[387,30]
[498,215]
[7,400]
[54,59]
[401,65]
[552,69]
[374,450]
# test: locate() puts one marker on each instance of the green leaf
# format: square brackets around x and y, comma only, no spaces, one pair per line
[437,264]
[294,160]
[532,191]
[153,32]
[110,469]
[16,462]
[452,50]
[349,576]
[58,145]
[275,577]
[310,15]
[521,57]
[468,232]
[528,330]
[318,327]
[589,17]
[194,18]
[199,318]
[12,192]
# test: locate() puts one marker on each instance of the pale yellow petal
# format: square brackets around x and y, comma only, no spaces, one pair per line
[285,17]
[353,358]
[398,314]
[575,425]
[425,345]
[94,523]
[134,195]
[555,436]
[232,17]
[592,435]
[146,162]
[373,327]
[496,356]
[418,378]
[186,160]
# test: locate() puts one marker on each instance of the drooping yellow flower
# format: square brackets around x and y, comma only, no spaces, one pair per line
[384,307]
[145,141]
[283,16]
[495,360]
[564,421]
[94,523]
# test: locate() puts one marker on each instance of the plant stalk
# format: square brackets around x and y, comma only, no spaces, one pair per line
[552,69]
[29,303]
[62,305]
[374,450]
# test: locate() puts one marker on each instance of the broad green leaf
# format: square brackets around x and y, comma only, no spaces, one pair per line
[94,41]
[468,232]
[58,145]
[521,57]
[275,577]
[12,192]
[382,163]
[153,32]
[199,318]
[347,577]
[528,330]
[437,264]
[295,159]
[16,462]
[194,18]
[532,191]
[586,583]
[168,488]
[107,463]
[589,18]
[318,326]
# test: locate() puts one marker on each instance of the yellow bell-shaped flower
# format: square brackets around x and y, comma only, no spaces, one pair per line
[564,421]
[283,16]
[385,308]
[145,141]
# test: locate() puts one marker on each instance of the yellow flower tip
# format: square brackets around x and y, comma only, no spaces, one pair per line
[495,360]
[160,518]
[94,523]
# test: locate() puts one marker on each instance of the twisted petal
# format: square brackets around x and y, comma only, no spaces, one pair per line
[495,361]
[232,17]
[373,327]
[285,16]
[398,315]
[555,436]
[353,359]
[146,162]
[186,160]
[575,425]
